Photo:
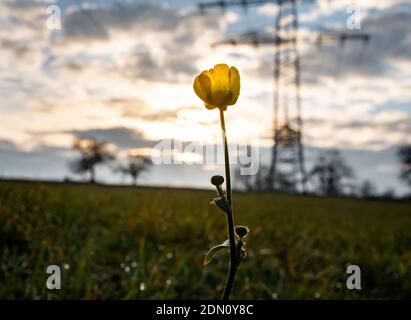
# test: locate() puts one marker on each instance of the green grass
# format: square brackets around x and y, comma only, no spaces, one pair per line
[298,247]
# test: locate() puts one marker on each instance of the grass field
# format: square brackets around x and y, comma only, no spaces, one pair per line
[145,243]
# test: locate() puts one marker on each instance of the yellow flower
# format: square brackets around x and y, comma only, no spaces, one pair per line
[218,87]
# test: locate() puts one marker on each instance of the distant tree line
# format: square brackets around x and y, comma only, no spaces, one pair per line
[330,175]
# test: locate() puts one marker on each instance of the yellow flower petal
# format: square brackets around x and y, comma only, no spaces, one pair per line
[234,85]
[220,85]
[209,106]
[198,89]
[206,85]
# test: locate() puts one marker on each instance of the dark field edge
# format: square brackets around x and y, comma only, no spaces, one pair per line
[138,309]
[406,199]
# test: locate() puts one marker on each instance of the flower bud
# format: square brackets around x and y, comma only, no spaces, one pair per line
[242,231]
[217,180]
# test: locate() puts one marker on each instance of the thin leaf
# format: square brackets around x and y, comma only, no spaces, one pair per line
[212,252]
[222,203]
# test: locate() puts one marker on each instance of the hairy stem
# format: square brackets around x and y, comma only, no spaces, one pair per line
[230,220]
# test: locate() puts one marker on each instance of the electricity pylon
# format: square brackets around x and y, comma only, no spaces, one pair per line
[287,153]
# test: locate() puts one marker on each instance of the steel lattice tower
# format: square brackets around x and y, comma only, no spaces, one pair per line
[287,154]
[287,151]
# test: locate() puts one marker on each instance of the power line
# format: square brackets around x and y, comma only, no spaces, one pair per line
[287,156]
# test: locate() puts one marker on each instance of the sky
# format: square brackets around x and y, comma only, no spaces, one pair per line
[122,71]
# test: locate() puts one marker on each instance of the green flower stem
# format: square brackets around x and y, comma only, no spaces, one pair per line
[230,219]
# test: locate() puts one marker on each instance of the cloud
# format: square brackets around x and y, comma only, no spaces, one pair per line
[402,123]
[268,9]
[7,145]
[139,109]
[389,44]
[18,48]
[373,132]
[99,21]
[123,138]
[43,162]
[159,40]
[26,4]
[133,40]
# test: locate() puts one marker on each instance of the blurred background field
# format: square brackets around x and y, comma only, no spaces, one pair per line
[145,243]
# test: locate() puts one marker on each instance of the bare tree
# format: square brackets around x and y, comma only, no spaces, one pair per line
[368,190]
[92,153]
[260,181]
[136,165]
[404,155]
[256,182]
[388,194]
[329,171]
